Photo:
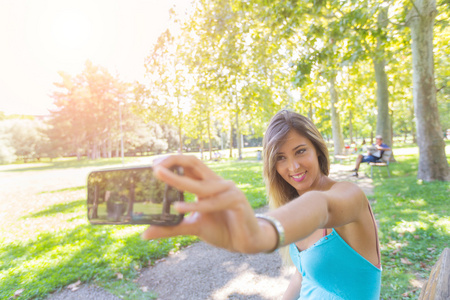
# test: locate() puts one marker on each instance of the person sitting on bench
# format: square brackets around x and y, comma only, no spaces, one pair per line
[374,153]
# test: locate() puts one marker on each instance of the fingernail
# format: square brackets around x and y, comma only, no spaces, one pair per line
[180,207]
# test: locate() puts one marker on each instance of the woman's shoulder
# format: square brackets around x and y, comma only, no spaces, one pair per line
[348,188]
[344,184]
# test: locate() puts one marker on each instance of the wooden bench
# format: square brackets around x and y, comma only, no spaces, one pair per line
[437,286]
[382,162]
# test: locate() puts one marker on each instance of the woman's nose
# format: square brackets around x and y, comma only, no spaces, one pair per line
[294,165]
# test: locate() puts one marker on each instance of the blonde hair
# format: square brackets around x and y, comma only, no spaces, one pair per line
[278,190]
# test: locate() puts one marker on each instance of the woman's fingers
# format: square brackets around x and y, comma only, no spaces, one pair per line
[192,166]
[186,227]
[206,187]
[230,199]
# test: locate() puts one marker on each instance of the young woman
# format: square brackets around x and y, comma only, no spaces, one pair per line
[328,225]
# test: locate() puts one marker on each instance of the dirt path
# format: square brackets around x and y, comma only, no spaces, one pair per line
[201,271]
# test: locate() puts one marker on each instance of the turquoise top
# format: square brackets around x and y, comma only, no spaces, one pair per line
[331,269]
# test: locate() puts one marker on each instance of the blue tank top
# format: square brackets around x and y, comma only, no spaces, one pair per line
[331,269]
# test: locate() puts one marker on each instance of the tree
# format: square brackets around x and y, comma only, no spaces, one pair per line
[7,152]
[433,163]
[23,136]
[164,98]
[87,115]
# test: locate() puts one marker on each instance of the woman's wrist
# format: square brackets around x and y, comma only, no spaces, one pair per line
[276,233]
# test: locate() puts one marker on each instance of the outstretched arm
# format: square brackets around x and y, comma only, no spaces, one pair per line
[223,217]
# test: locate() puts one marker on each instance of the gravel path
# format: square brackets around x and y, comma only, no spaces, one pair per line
[201,271]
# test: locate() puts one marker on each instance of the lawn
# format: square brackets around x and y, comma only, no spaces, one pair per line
[47,243]
[414,225]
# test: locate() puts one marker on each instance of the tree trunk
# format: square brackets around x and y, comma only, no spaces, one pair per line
[336,125]
[109,147]
[131,200]
[180,140]
[231,137]
[350,126]
[383,122]
[238,135]
[310,111]
[209,137]
[433,163]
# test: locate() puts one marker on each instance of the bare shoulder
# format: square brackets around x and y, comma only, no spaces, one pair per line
[349,191]
[346,185]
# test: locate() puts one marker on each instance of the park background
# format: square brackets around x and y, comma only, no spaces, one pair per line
[212,81]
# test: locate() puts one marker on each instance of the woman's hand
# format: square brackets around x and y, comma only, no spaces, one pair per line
[221,216]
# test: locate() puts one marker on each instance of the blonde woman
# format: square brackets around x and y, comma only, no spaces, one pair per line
[328,226]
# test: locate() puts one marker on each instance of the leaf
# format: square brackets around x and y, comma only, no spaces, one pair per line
[396,251]
[74,286]
[405,261]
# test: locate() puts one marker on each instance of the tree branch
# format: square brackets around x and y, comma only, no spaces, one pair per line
[397,24]
[442,87]
[415,7]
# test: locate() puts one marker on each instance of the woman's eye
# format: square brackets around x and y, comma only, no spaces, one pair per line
[280,158]
[300,151]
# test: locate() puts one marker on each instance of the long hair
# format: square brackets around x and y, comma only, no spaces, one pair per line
[278,190]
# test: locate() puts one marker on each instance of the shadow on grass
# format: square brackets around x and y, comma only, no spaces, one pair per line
[68,207]
[71,189]
[87,253]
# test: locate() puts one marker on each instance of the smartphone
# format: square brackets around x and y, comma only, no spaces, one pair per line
[131,196]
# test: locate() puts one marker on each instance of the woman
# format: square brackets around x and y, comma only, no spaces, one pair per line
[328,225]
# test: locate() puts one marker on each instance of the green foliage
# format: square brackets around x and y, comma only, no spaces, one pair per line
[21,137]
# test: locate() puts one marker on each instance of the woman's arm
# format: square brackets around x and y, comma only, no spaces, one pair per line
[295,285]
[223,217]
[340,205]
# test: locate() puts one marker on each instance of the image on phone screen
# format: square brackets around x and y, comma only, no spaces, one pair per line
[131,196]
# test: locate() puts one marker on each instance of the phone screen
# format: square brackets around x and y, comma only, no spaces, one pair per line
[131,196]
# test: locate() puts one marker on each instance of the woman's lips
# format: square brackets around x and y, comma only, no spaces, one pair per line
[299,177]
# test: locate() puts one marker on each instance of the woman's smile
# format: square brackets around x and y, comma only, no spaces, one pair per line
[299,176]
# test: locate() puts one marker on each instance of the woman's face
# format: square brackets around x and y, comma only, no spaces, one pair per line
[298,163]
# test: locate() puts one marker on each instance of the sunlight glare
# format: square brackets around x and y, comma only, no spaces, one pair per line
[71,30]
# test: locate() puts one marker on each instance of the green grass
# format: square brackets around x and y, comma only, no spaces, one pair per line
[414,226]
[45,260]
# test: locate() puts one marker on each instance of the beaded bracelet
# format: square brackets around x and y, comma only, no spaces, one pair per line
[278,228]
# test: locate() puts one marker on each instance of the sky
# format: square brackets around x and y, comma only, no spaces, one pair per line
[40,38]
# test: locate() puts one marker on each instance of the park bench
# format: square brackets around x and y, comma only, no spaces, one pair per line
[437,286]
[382,162]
